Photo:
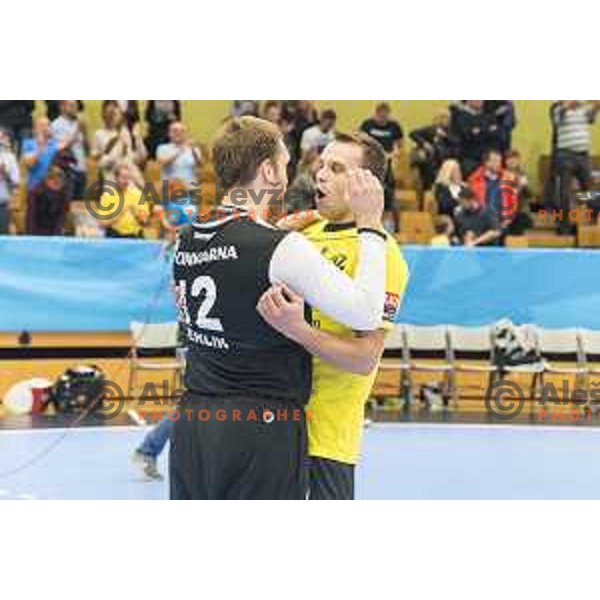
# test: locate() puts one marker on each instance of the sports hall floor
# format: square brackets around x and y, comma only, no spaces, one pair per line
[401,461]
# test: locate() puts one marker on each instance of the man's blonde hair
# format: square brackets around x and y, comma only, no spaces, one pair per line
[241,146]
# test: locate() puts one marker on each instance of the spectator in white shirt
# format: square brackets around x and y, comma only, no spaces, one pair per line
[114,144]
[71,126]
[318,136]
[180,158]
[9,179]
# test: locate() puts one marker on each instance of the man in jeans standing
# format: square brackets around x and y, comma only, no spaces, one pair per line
[9,179]
[572,120]
[154,442]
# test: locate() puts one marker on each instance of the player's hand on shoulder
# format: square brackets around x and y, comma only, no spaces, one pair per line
[283,310]
[364,194]
[299,220]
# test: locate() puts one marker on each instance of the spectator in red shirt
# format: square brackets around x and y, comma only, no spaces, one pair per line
[498,190]
[488,176]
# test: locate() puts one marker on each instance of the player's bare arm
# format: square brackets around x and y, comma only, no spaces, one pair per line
[356,353]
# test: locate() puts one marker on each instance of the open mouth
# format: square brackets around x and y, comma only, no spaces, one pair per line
[320,194]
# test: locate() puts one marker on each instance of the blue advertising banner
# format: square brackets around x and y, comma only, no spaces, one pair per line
[71,284]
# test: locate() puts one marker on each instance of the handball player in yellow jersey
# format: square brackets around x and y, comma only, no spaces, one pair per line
[345,362]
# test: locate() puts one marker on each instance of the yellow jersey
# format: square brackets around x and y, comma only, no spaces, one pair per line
[336,407]
[133,210]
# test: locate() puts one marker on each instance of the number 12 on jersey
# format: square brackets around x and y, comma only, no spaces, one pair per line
[203,287]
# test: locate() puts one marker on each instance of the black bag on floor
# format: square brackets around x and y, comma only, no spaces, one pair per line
[79,388]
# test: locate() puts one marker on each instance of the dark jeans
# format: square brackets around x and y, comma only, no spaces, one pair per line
[46,212]
[156,439]
[570,165]
[4,219]
[76,185]
[389,188]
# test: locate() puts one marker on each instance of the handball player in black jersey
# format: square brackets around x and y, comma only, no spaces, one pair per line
[241,431]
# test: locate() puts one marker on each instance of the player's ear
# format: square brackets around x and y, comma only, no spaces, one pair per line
[267,171]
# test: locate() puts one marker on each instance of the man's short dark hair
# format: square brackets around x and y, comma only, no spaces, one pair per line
[488,153]
[374,157]
[329,114]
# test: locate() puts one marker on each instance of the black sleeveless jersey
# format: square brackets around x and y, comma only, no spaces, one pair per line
[221,269]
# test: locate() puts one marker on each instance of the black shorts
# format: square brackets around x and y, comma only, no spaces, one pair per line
[238,449]
[330,479]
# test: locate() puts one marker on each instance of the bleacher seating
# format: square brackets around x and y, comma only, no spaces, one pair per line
[417,208]
[416,227]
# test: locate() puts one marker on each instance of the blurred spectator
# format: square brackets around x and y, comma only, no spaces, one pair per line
[448,186]
[179,210]
[159,115]
[272,111]
[475,224]
[180,158]
[114,144]
[9,179]
[487,178]
[46,180]
[16,118]
[389,134]
[319,135]
[296,117]
[53,108]
[498,189]
[384,129]
[300,195]
[130,110]
[129,221]
[433,147]
[71,126]
[299,115]
[475,131]
[514,166]
[572,120]
[444,232]
[240,108]
[503,113]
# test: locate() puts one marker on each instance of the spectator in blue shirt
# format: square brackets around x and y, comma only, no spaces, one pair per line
[70,124]
[179,159]
[46,179]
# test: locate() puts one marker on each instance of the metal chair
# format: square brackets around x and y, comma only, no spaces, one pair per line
[154,336]
[395,341]
[589,344]
[463,341]
[564,344]
[428,338]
